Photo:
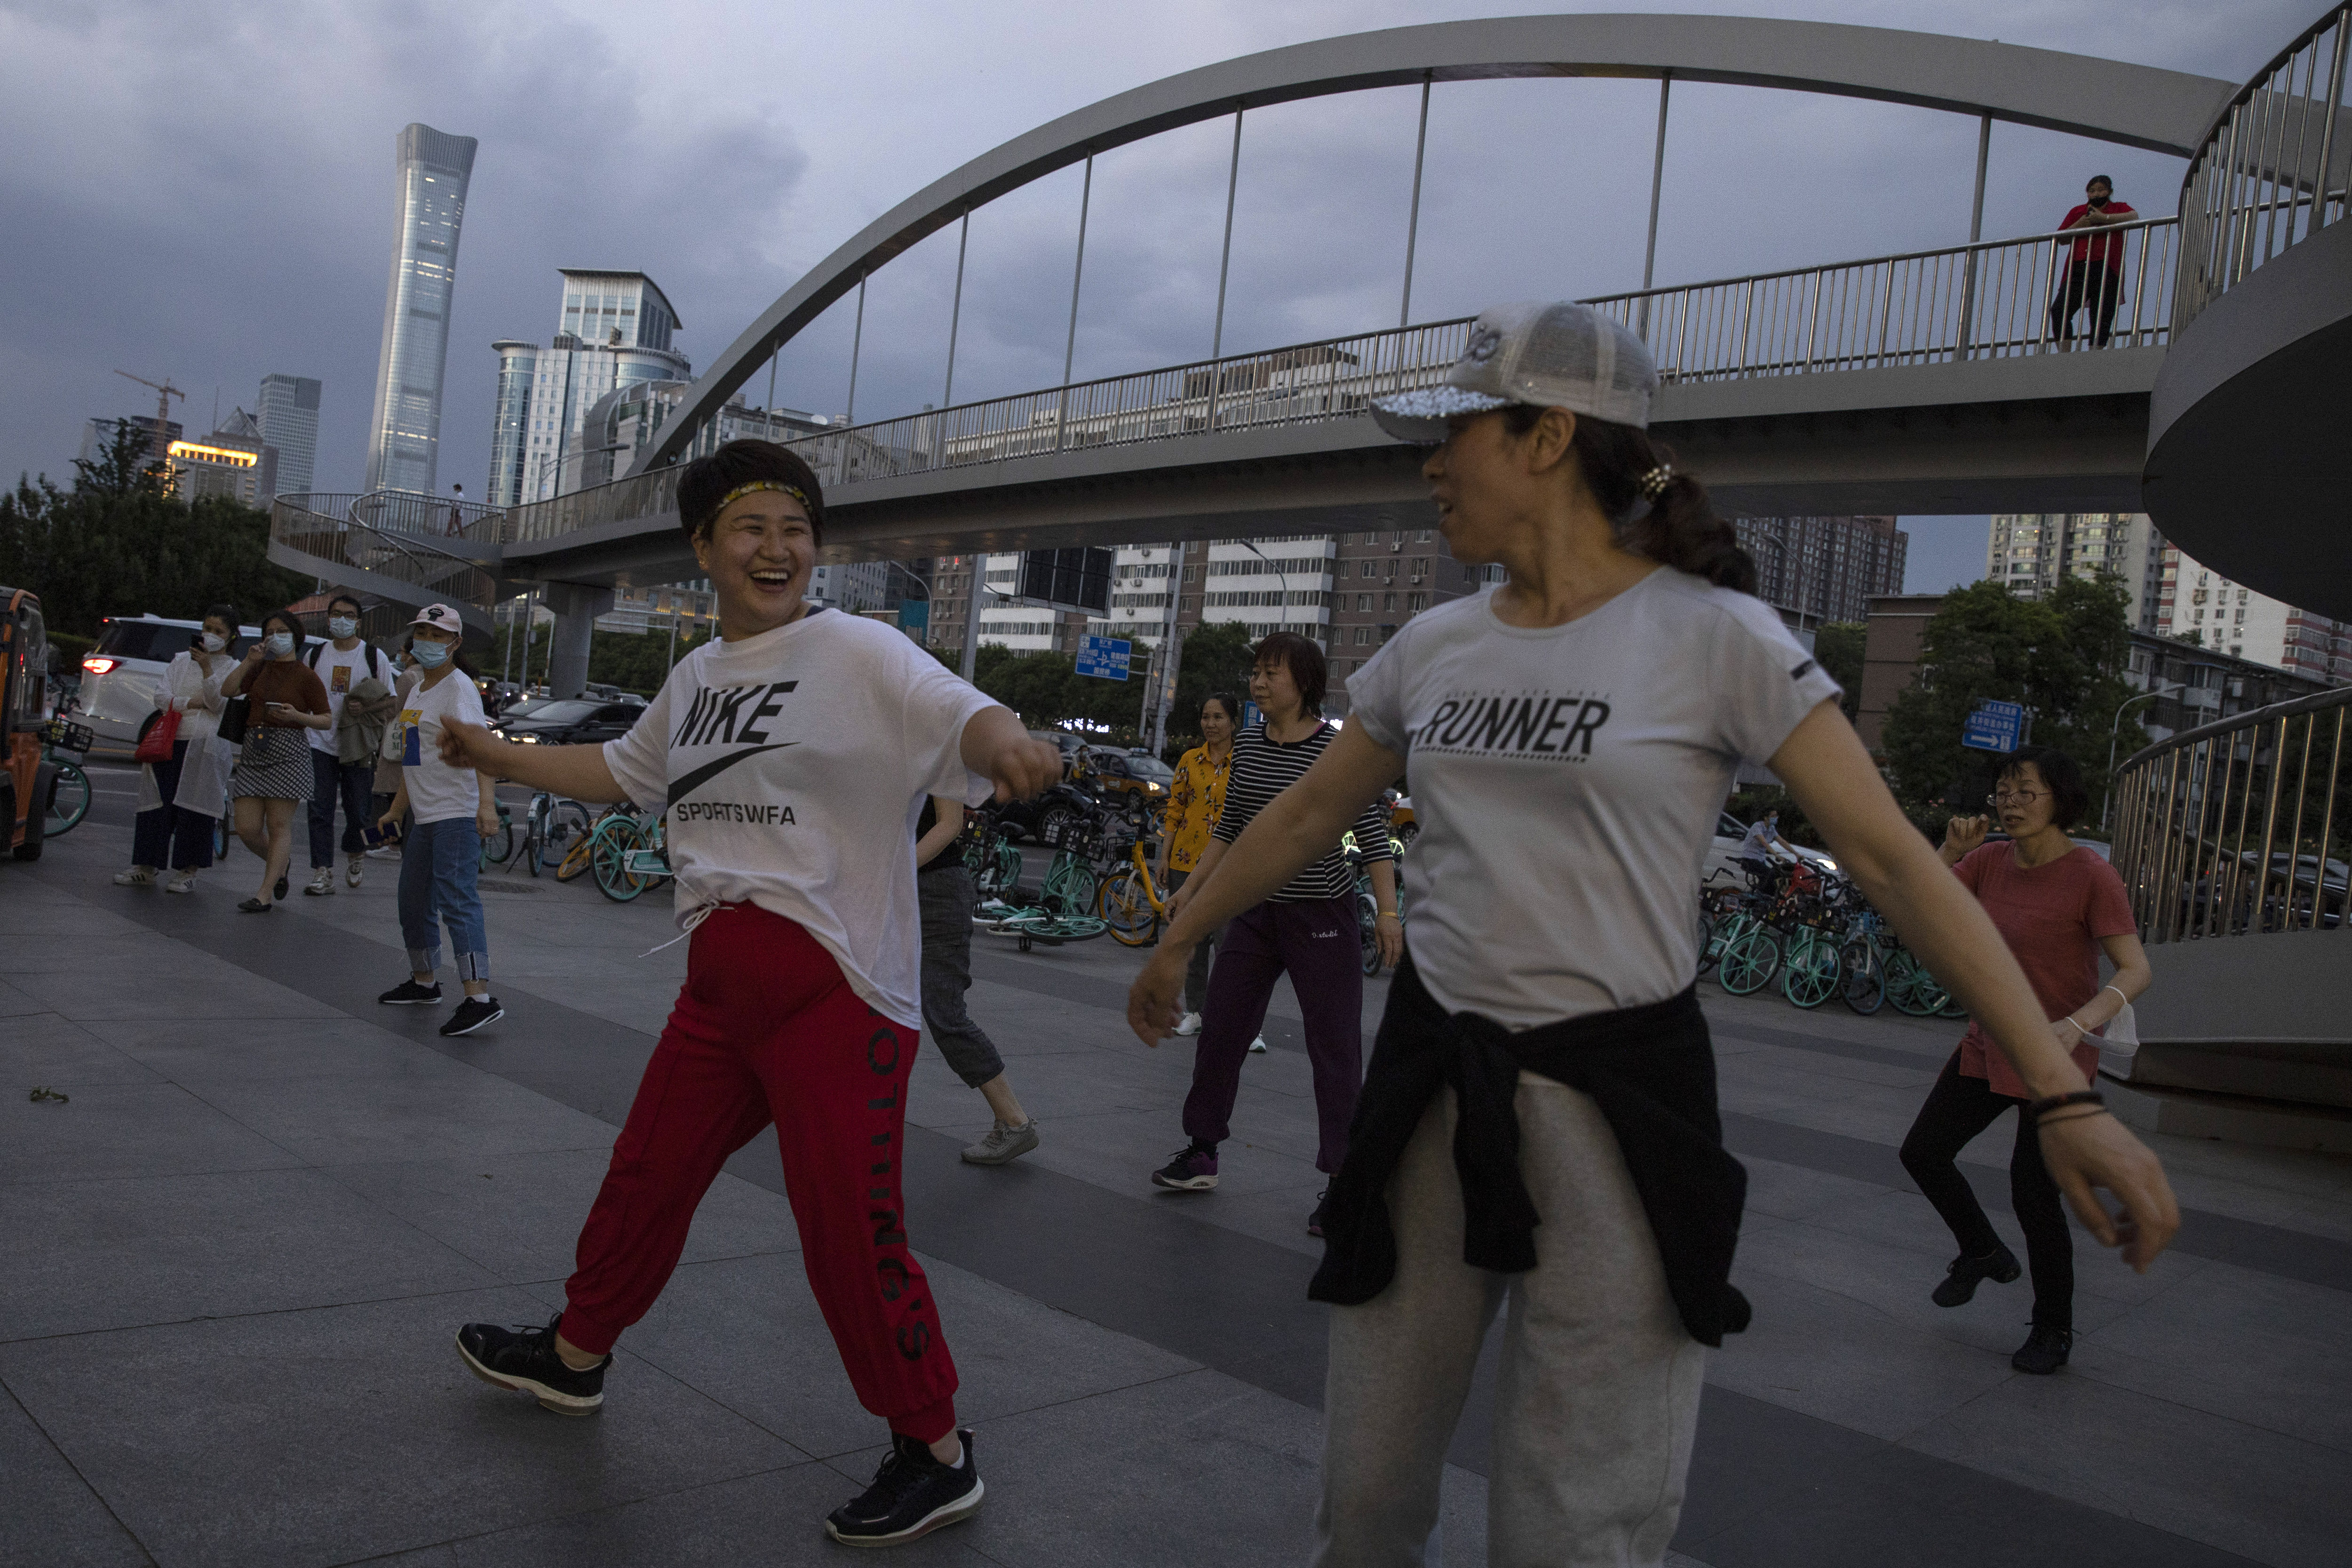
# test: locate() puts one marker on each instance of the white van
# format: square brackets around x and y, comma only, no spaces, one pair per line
[121,676]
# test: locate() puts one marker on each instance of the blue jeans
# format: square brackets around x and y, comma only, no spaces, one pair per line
[438,862]
[331,781]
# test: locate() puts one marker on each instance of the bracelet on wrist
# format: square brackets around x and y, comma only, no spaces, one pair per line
[2056,1120]
[2038,1108]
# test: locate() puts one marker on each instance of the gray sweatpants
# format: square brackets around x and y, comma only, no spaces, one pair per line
[1598,1396]
[946,903]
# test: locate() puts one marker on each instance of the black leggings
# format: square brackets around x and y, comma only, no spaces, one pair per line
[1958,1109]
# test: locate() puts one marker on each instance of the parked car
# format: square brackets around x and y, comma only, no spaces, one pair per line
[1043,819]
[1069,744]
[121,676]
[568,722]
[1112,772]
[2280,911]
[1723,855]
[611,693]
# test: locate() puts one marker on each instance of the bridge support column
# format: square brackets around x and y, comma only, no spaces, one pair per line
[576,608]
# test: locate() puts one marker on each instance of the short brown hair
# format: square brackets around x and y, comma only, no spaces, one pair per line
[1302,658]
[704,486]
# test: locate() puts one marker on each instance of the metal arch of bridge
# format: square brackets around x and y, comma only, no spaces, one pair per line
[2108,101]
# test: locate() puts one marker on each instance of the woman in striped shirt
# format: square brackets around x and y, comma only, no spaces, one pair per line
[1308,930]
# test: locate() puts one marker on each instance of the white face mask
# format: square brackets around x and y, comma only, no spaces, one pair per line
[213,642]
[341,626]
[278,644]
[430,654]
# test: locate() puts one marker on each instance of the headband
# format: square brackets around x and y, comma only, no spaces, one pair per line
[740,491]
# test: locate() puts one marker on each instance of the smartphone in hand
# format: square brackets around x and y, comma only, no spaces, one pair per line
[377,836]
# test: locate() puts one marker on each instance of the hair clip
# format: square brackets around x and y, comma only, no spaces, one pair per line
[1655,482]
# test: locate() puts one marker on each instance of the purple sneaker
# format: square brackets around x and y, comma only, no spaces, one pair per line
[1194,1170]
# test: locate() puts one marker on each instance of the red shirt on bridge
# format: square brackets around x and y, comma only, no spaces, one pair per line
[2103,245]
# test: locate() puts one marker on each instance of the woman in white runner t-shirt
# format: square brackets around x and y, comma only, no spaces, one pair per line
[1572,738]
[795,755]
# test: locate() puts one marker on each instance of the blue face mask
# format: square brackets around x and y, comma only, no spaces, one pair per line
[343,626]
[430,654]
[278,645]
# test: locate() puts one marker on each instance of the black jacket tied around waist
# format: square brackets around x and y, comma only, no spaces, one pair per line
[1651,1070]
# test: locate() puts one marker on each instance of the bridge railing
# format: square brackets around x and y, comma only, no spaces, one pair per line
[2272,171]
[353,531]
[1995,300]
[2240,827]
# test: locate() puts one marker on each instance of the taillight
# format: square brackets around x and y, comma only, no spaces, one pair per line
[99,664]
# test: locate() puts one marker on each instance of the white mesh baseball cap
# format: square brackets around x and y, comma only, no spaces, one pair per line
[1557,355]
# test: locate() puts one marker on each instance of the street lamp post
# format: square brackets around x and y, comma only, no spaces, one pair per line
[1279,571]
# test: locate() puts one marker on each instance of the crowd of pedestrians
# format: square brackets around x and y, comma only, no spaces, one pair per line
[1538,1130]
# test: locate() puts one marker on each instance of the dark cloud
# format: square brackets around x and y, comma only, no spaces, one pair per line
[206,191]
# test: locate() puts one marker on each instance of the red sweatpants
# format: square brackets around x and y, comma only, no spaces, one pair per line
[767,1029]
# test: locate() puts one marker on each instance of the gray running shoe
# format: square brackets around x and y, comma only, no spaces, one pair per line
[1004,1145]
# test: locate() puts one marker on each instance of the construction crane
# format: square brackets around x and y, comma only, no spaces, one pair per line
[164,392]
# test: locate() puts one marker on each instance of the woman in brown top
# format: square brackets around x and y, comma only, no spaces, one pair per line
[273,773]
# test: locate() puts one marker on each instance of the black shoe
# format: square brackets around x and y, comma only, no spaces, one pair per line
[1959,1285]
[472,1014]
[524,1360]
[913,1494]
[280,891]
[1194,1170]
[2044,1351]
[1315,1220]
[408,994]
[255,906]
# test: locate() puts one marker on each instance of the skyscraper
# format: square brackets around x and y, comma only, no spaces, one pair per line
[2031,552]
[405,433]
[612,334]
[289,417]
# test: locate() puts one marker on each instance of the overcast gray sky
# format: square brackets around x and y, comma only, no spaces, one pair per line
[205,192]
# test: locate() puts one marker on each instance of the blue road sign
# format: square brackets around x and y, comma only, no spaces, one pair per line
[1996,727]
[915,617]
[1103,657]
[1250,714]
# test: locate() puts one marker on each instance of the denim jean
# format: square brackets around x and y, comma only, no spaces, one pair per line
[333,781]
[438,862]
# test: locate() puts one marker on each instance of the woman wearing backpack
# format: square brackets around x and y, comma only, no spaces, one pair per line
[358,680]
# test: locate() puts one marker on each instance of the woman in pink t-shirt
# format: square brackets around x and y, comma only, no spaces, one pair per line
[2058,906]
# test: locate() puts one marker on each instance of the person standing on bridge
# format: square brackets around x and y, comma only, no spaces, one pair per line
[2093,274]
[2058,905]
[1539,1121]
[795,753]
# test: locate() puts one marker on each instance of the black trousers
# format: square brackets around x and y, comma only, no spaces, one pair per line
[2091,283]
[1958,1109]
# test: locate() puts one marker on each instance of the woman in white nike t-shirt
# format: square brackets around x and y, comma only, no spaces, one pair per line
[1572,738]
[794,755]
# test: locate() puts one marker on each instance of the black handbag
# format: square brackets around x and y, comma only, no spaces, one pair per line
[235,714]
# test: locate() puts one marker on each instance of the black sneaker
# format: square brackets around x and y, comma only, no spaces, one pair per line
[912,1495]
[1959,1283]
[408,994]
[1315,1220]
[2044,1351]
[524,1360]
[472,1014]
[1194,1170]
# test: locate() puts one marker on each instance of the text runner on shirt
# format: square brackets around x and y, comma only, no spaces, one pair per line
[1539,1119]
[793,756]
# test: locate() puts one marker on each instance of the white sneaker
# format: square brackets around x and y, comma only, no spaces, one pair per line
[1189,1024]
[137,876]
[352,872]
[322,882]
[1258,1044]
[185,882]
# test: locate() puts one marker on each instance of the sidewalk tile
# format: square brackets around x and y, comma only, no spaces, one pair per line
[114,1130]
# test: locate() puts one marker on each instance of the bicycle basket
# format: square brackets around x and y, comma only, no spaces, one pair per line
[68,736]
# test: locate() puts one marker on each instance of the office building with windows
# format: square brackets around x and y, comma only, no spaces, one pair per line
[2032,553]
[612,336]
[404,430]
[2200,606]
[233,461]
[288,415]
[1819,570]
[98,434]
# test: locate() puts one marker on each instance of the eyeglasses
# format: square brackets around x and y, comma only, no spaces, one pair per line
[2015,798]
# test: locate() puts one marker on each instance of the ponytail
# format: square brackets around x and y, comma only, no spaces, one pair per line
[1677,527]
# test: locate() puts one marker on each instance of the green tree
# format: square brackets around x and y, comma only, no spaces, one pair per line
[1216,657]
[97,551]
[2063,657]
[126,466]
[1838,648]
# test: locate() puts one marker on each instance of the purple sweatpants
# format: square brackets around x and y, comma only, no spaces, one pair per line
[1317,943]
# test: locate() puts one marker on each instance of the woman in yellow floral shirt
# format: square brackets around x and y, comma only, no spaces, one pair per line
[1194,802]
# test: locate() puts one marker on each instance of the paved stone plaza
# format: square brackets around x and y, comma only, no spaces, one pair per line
[237,1255]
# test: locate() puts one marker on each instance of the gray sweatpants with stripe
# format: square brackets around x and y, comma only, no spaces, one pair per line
[1598,1397]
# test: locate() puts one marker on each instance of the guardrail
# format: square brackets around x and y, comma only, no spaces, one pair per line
[2240,827]
[1995,300]
[349,537]
[1987,300]
[2271,170]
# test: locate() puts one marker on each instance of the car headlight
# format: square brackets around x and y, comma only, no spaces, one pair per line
[527,740]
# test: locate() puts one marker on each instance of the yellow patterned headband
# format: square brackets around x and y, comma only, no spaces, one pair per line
[740,491]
